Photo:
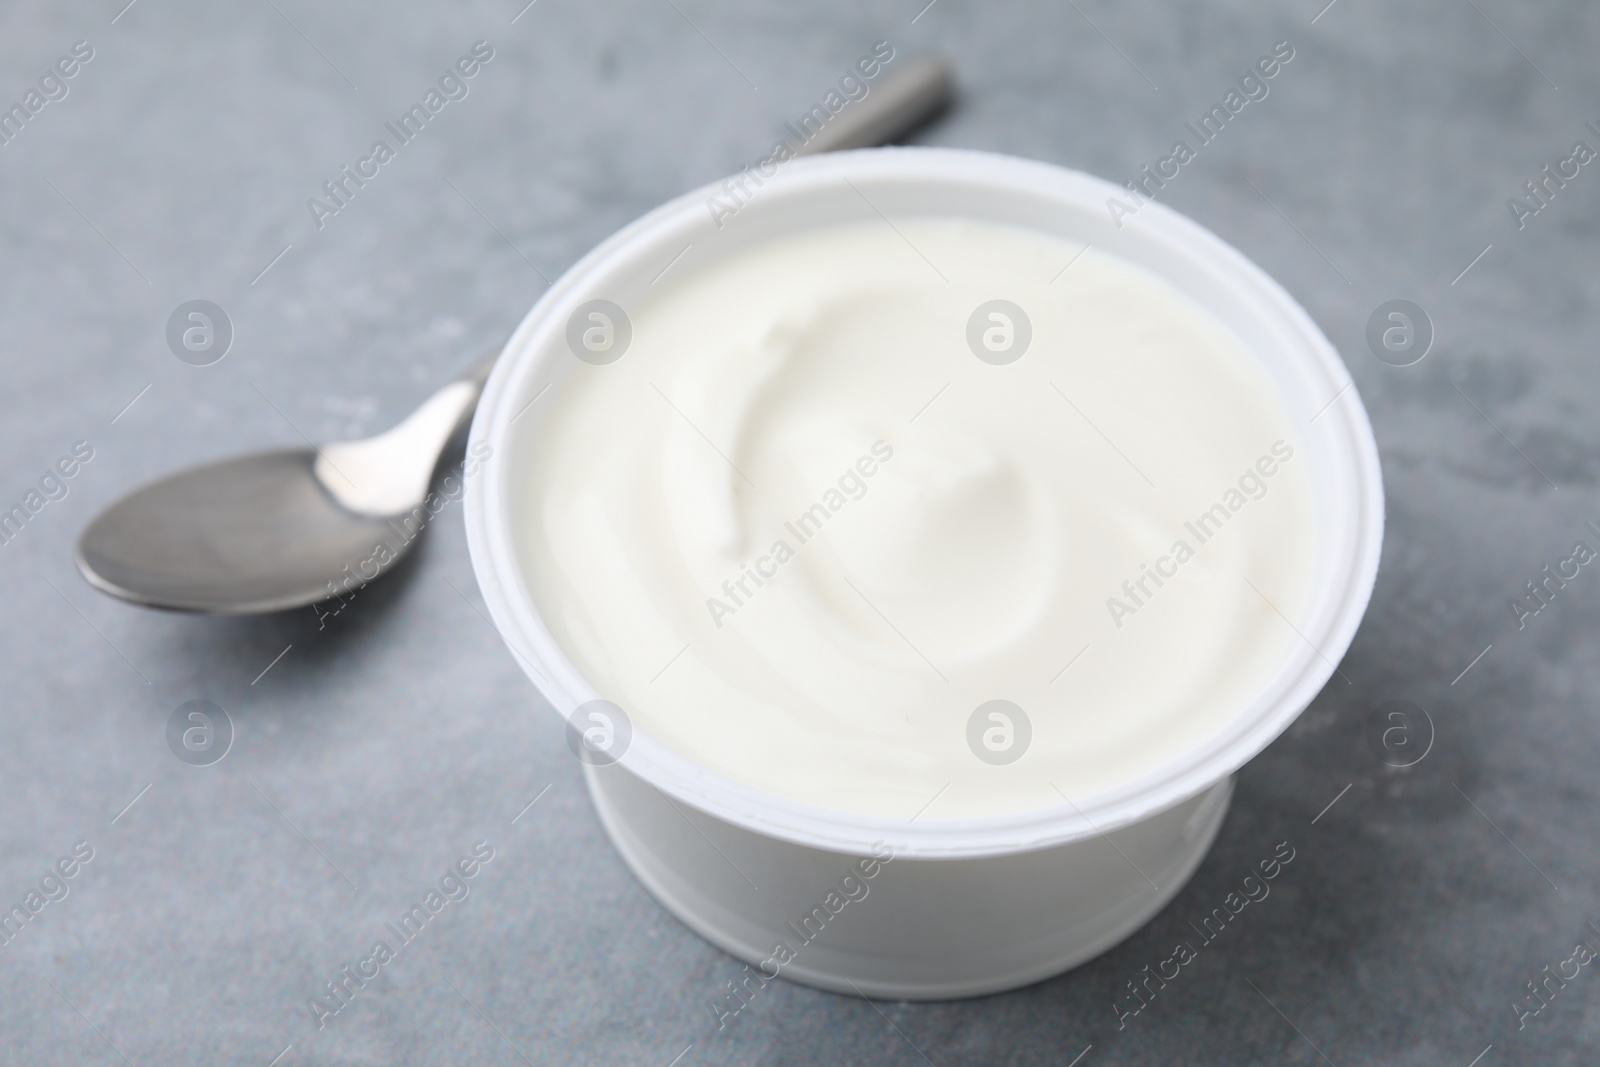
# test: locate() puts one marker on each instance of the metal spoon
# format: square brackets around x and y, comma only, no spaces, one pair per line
[271,531]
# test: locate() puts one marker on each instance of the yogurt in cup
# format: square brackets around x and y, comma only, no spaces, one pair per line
[915,554]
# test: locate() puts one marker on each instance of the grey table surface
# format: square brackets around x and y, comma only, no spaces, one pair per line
[377,750]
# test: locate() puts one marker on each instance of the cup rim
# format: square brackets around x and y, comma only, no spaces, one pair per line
[646,243]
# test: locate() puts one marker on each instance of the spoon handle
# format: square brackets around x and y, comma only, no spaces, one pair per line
[904,100]
[389,473]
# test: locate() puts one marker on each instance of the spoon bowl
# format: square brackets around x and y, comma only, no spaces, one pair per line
[270,531]
[251,534]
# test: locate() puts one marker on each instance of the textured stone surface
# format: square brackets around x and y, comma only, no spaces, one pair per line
[378,750]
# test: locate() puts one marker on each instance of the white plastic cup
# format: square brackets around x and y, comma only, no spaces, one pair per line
[963,906]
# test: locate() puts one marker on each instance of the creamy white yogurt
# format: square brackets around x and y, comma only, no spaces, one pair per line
[812,520]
